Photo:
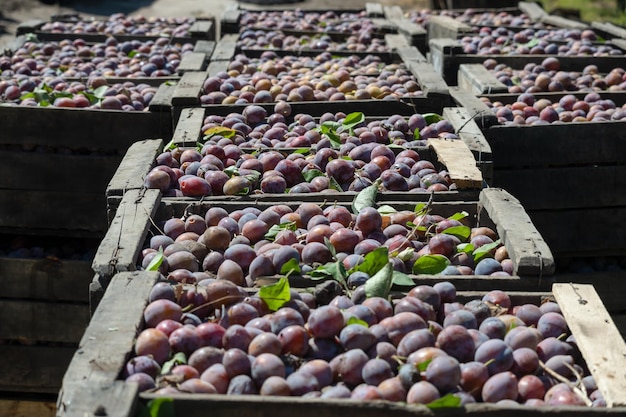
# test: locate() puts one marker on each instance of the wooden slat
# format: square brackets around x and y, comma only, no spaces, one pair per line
[609,28]
[562,22]
[193,61]
[135,165]
[446,27]
[532,9]
[36,322]
[560,188]
[374,9]
[203,29]
[108,340]
[619,43]
[482,115]
[597,338]
[225,48]
[162,100]
[528,250]
[34,369]
[124,239]
[610,286]
[27,408]
[87,174]
[45,279]
[479,80]
[188,89]
[429,80]
[205,47]
[115,399]
[459,162]
[189,126]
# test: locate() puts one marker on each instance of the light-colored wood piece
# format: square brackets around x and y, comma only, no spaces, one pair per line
[459,161]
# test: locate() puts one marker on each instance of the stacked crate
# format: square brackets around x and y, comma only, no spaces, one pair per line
[58,162]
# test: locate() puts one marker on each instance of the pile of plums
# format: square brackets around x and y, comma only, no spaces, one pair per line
[307,21]
[478,18]
[58,92]
[240,247]
[323,77]
[74,58]
[528,110]
[415,349]
[359,158]
[121,24]
[565,42]
[275,39]
[548,77]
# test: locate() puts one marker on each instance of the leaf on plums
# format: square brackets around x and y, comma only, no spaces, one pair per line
[334,270]
[330,246]
[420,208]
[432,117]
[402,279]
[271,234]
[290,267]
[406,254]
[423,365]
[131,54]
[380,284]
[465,247]
[178,359]
[312,173]
[159,407]
[484,250]
[100,91]
[416,134]
[430,264]
[366,197]
[276,294]
[532,43]
[385,209]
[355,320]
[220,131]
[459,215]
[353,119]
[253,177]
[329,128]
[447,401]
[462,232]
[302,151]
[372,262]
[333,184]
[244,191]
[231,171]
[156,262]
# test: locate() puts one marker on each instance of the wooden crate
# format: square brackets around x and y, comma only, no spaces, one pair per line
[140,209]
[91,381]
[565,175]
[44,308]
[436,92]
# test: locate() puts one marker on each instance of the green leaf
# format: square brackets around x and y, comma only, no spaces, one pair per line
[302,151]
[231,171]
[483,251]
[447,401]
[385,209]
[432,118]
[420,208]
[430,264]
[406,254]
[354,118]
[365,198]
[156,262]
[334,270]
[462,232]
[373,261]
[330,125]
[290,267]
[380,284]
[329,129]
[277,294]
[253,177]
[133,53]
[355,320]
[312,173]
[330,246]
[465,247]
[532,43]
[333,184]
[459,215]
[170,145]
[402,279]
[423,365]
[221,131]
[99,92]
[244,191]
[271,234]
[159,407]
[416,134]
[178,359]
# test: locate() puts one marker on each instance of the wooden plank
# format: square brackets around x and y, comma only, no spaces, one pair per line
[188,89]
[619,43]
[53,211]
[410,54]
[472,136]
[162,100]
[459,162]
[447,27]
[562,22]
[229,20]
[590,323]
[383,25]
[582,232]
[203,29]
[87,174]
[34,369]
[609,285]
[134,167]
[565,144]
[374,9]
[204,47]
[45,279]
[193,61]
[189,126]
[528,249]
[225,48]
[110,336]
[534,10]
[482,115]
[415,33]
[124,240]
[29,26]
[27,408]
[429,80]
[610,29]
[393,12]
[479,80]
[35,321]
[115,399]
[562,187]
[80,128]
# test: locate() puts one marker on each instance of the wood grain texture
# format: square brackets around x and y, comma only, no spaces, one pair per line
[193,61]
[597,338]
[459,162]
[27,408]
[189,126]
[225,48]
[134,167]
[479,80]
[188,90]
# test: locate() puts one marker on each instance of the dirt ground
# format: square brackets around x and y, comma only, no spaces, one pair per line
[14,12]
